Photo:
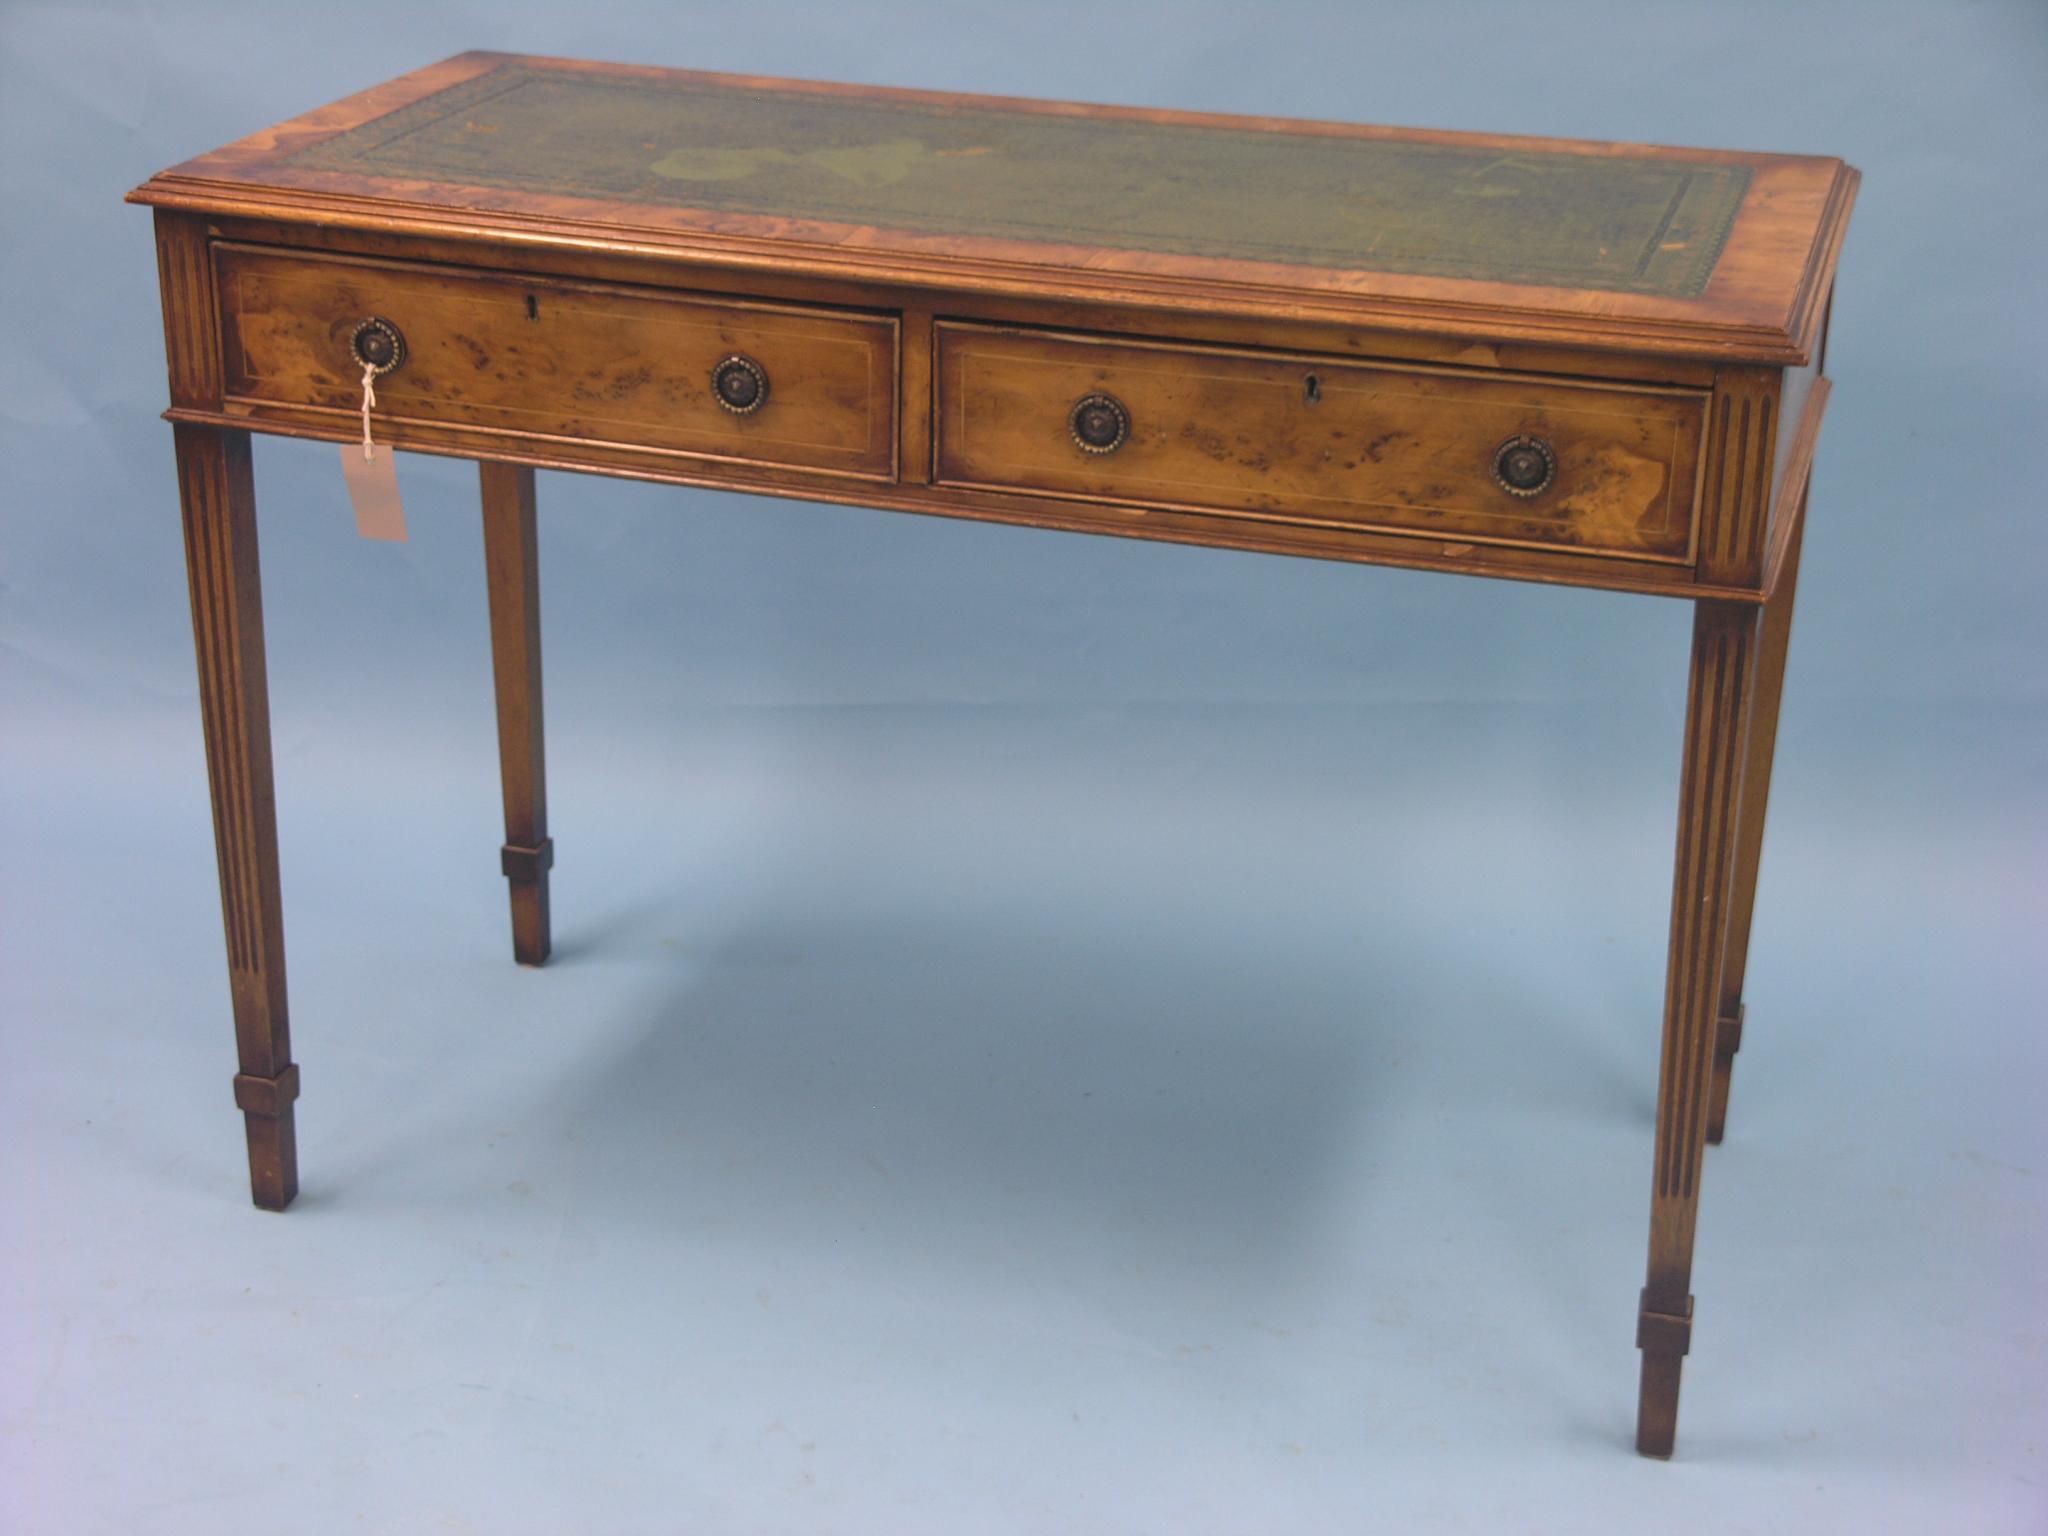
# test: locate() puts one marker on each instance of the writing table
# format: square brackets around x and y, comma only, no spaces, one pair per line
[1599,365]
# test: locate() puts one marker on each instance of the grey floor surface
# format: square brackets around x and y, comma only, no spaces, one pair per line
[1034,1120]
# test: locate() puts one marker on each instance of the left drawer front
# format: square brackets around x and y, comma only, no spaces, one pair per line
[556,361]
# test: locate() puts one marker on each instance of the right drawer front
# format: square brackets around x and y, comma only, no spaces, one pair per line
[1310,440]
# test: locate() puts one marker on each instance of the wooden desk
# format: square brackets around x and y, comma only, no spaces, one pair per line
[1591,364]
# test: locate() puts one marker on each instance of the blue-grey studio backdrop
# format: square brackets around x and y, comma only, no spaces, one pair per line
[1048,1034]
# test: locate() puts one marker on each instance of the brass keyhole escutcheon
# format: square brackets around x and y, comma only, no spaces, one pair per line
[378,345]
[1524,466]
[1099,423]
[740,384]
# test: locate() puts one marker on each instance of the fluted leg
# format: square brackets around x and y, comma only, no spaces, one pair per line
[512,562]
[1756,794]
[218,495]
[1725,663]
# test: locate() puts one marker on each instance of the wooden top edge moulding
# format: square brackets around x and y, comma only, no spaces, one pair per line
[1705,253]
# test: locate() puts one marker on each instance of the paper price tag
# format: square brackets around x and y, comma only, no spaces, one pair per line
[373,491]
[371,475]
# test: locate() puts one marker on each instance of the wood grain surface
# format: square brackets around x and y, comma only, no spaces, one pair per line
[1311,440]
[598,362]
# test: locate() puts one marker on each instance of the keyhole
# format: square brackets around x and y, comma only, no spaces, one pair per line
[532,307]
[1312,389]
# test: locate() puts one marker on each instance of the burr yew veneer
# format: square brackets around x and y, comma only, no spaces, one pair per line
[1598,365]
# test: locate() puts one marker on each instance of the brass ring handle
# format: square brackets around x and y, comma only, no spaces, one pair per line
[378,345]
[1524,466]
[1099,423]
[739,384]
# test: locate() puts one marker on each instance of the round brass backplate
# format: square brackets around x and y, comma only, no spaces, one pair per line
[739,384]
[378,345]
[1524,466]
[1099,423]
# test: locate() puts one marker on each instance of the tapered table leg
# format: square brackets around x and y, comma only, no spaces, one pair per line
[1756,794]
[218,495]
[512,563]
[1725,662]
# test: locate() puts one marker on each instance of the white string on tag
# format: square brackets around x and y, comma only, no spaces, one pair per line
[373,481]
[369,400]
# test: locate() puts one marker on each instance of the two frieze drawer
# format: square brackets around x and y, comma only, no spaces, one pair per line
[467,358]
